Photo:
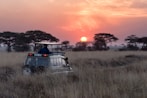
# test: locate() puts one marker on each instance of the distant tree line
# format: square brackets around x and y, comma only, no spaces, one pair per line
[133,42]
[101,41]
[21,41]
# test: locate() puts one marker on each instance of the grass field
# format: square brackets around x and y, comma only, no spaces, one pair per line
[105,74]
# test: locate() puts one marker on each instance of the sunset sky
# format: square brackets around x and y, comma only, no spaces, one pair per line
[72,19]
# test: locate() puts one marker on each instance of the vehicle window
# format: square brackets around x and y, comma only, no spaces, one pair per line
[57,61]
[37,61]
[30,61]
[42,61]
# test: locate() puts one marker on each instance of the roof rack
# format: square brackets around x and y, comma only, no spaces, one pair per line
[48,43]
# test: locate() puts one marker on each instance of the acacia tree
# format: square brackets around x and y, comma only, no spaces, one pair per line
[20,41]
[102,39]
[66,44]
[8,38]
[80,46]
[37,36]
[132,42]
[143,40]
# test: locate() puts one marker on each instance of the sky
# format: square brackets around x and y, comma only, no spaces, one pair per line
[72,19]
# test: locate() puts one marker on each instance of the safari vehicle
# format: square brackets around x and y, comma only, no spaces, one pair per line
[55,62]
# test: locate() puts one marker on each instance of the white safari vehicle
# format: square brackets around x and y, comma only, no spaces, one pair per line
[55,61]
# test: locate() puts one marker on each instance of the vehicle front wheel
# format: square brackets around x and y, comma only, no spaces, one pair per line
[26,71]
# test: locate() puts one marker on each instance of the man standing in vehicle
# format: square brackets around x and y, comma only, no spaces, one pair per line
[44,50]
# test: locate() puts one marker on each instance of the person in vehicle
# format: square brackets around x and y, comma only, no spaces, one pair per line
[44,50]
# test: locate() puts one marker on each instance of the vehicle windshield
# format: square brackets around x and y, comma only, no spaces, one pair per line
[51,48]
[37,61]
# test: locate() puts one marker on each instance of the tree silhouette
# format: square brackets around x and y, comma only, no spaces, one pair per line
[8,38]
[102,39]
[20,41]
[132,42]
[37,36]
[65,43]
[80,46]
[143,40]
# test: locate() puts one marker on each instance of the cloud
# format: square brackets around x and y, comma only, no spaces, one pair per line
[51,1]
[76,17]
[142,4]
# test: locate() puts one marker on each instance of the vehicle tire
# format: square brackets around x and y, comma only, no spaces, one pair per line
[26,71]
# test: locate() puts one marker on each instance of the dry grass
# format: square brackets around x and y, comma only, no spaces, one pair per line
[97,75]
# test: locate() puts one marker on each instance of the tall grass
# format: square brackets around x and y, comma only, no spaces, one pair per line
[105,74]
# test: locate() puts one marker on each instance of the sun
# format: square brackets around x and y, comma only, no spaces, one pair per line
[83,39]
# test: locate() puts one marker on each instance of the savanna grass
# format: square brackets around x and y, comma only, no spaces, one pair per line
[105,74]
